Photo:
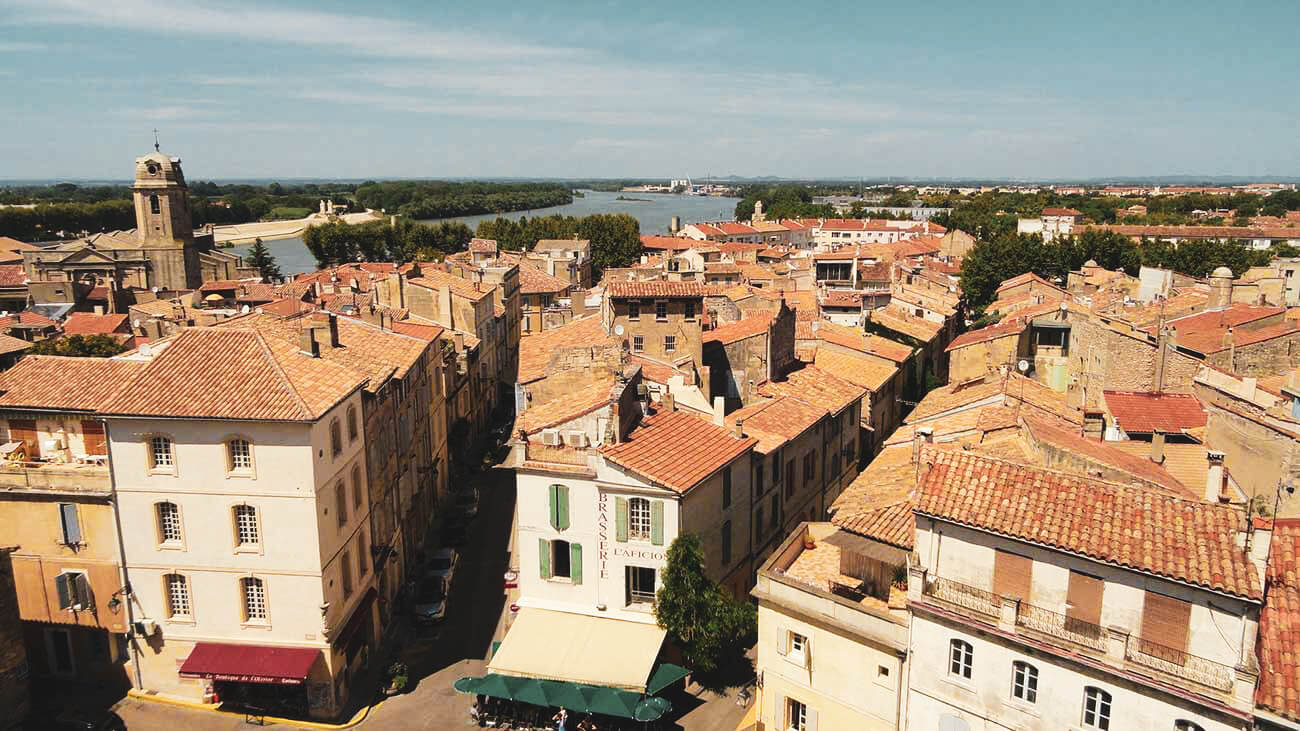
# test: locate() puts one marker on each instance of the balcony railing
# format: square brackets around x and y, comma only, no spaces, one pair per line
[1177,662]
[55,476]
[1061,627]
[965,596]
[1117,646]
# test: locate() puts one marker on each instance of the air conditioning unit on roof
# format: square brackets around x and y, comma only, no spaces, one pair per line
[576,438]
[551,438]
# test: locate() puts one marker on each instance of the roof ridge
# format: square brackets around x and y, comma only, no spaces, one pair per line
[269,355]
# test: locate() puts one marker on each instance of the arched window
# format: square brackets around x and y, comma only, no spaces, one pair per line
[336,439]
[247,532]
[178,596]
[341,502]
[1096,708]
[169,522]
[161,455]
[356,487]
[961,657]
[253,592]
[1024,682]
[638,519]
[153,204]
[1183,724]
[352,424]
[239,455]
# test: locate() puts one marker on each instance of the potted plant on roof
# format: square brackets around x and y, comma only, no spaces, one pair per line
[397,679]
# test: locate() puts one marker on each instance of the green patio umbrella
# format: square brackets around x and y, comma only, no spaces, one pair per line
[533,692]
[500,686]
[651,709]
[664,675]
[614,702]
[572,696]
[467,684]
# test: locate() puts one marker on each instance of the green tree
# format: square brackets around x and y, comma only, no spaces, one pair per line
[259,257]
[711,628]
[87,346]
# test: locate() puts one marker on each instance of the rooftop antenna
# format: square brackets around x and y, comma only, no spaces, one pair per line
[155,140]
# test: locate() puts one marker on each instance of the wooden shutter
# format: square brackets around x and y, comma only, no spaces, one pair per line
[552,506]
[575,563]
[92,433]
[782,641]
[24,430]
[544,557]
[620,519]
[1083,598]
[1165,621]
[657,522]
[1012,575]
[71,527]
[811,725]
[81,590]
[63,583]
[561,507]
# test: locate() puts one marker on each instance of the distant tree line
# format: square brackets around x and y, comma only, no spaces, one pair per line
[992,261]
[438,199]
[615,237]
[338,243]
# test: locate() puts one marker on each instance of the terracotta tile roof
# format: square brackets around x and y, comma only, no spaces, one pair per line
[736,247]
[1025,278]
[1061,212]
[865,372]
[64,384]
[657,288]
[483,246]
[1186,462]
[666,243]
[817,387]
[776,421]
[841,298]
[221,285]
[653,370]
[428,333]
[856,339]
[1279,625]
[737,292]
[254,292]
[878,503]
[1147,412]
[707,229]
[31,319]
[733,228]
[1006,391]
[1007,328]
[1197,232]
[1103,453]
[567,406]
[677,450]
[533,280]
[12,275]
[10,344]
[756,324]
[1138,528]
[906,324]
[721,267]
[158,308]
[87,323]
[229,373]
[285,307]
[535,351]
[1206,332]
[436,279]
[755,272]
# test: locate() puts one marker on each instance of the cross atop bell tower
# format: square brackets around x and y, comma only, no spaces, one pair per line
[162,214]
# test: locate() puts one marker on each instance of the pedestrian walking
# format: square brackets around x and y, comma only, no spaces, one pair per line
[560,719]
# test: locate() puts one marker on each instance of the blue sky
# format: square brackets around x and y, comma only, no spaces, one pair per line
[568,88]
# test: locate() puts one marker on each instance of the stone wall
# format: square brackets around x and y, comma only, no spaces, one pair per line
[14,697]
[1258,456]
[1265,358]
[1103,359]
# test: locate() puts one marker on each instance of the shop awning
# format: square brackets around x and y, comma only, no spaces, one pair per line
[577,648]
[249,663]
[867,547]
[576,697]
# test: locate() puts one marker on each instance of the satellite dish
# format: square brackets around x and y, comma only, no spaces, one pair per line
[135,323]
[1022,366]
[618,329]
[154,290]
[245,309]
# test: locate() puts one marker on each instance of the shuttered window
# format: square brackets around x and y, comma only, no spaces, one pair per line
[1012,575]
[559,507]
[575,563]
[92,433]
[24,430]
[620,519]
[544,558]
[1083,601]
[1164,622]
[657,522]
[70,524]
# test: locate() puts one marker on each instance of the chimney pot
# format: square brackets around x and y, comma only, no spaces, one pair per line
[1158,446]
[719,411]
[668,402]
[738,431]
[307,342]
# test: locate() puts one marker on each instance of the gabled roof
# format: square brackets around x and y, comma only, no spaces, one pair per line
[677,450]
[566,406]
[64,384]
[532,280]
[856,369]
[1061,212]
[1103,453]
[434,278]
[535,351]
[234,374]
[1206,332]
[657,288]
[817,387]
[1137,528]
[755,324]
[10,344]
[667,243]
[1147,412]
[878,503]
[87,323]
[773,422]
[1026,278]
[1006,328]
[483,246]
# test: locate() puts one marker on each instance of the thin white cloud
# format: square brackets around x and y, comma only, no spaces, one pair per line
[360,34]
[21,47]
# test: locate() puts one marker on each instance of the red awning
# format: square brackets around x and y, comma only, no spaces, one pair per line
[249,663]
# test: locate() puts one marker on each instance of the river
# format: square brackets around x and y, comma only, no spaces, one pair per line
[655,215]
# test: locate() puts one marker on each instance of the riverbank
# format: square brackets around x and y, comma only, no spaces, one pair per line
[247,233]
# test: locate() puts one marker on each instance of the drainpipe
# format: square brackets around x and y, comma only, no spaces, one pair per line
[127,594]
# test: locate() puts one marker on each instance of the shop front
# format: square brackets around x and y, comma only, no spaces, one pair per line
[258,678]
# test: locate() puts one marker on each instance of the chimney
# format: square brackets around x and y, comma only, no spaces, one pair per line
[923,435]
[738,431]
[1214,478]
[1230,342]
[460,342]
[334,330]
[307,342]
[1158,446]
[667,402]
[719,411]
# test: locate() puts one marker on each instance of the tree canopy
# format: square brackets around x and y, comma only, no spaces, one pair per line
[259,257]
[711,628]
[615,237]
[337,243]
[86,346]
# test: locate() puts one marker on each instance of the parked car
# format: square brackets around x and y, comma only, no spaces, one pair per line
[443,564]
[430,602]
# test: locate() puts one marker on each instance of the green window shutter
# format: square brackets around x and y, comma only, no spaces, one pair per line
[561,507]
[620,519]
[544,557]
[575,563]
[71,526]
[553,506]
[63,582]
[657,522]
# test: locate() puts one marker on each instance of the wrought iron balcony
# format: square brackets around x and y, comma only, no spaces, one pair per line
[965,596]
[1061,627]
[1172,661]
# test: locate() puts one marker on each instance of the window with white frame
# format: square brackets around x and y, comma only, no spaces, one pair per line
[240,455]
[798,649]
[246,532]
[178,596]
[638,519]
[1024,682]
[670,343]
[169,522]
[160,453]
[797,715]
[1096,708]
[640,582]
[961,657]
[254,592]
[638,344]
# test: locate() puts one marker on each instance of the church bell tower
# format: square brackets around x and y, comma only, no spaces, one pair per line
[162,215]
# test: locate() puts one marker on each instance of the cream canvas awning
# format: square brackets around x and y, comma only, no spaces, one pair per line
[578,648]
